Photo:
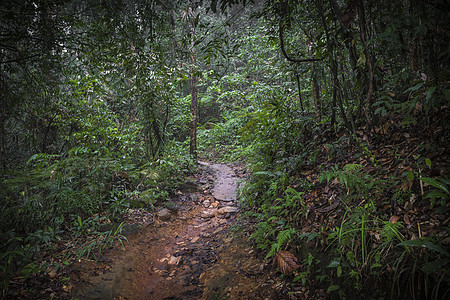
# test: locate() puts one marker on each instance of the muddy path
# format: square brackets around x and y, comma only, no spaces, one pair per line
[192,251]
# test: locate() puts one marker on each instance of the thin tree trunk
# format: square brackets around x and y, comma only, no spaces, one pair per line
[194,111]
[2,143]
[362,31]
[343,93]
[299,91]
[316,92]
[194,114]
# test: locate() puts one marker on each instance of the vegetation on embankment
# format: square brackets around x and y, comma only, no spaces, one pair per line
[364,216]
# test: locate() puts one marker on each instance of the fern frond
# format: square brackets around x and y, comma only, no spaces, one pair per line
[352,167]
[285,236]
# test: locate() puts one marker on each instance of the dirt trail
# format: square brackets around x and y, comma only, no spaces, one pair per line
[188,254]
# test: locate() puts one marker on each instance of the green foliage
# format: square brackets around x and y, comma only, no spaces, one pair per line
[74,196]
[432,260]
[359,186]
[284,237]
[440,191]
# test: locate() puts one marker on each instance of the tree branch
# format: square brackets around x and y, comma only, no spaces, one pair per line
[18,59]
[283,50]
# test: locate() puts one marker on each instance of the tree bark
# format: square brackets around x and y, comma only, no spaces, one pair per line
[362,31]
[193,81]
[316,93]
[299,90]
[194,114]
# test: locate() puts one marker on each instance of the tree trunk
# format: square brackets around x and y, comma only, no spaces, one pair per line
[362,32]
[194,114]
[299,90]
[194,111]
[316,93]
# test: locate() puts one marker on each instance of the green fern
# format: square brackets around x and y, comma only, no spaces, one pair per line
[352,167]
[284,237]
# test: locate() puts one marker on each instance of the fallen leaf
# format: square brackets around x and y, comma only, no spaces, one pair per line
[406,219]
[286,261]
[51,272]
[67,288]
[394,219]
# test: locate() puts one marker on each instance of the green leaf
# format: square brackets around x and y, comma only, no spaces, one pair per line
[332,288]
[435,194]
[446,94]
[311,236]
[339,271]
[435,183]
[415,88]
[430,92]
[425,244]
[408,119]
[435,265]
[362,59]
[428,162]
[375,265]
[444,180]
[410,175]
[334,263]
[442,210]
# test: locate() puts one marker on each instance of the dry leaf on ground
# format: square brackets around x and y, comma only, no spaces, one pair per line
[286,261]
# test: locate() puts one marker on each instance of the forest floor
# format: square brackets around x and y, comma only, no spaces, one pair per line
[195,250]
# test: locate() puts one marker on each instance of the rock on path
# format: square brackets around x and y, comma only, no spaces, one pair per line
[225,186]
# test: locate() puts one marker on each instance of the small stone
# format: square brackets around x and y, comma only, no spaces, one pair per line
[164,214]
[174,260]
[228,209]
[227,200]
[207,214]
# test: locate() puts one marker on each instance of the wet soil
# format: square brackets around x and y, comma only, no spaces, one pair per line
[194,252]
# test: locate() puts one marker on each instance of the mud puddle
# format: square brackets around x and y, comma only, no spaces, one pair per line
[189,252]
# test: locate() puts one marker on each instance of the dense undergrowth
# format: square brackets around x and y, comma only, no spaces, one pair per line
[365,216]
[62,208]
